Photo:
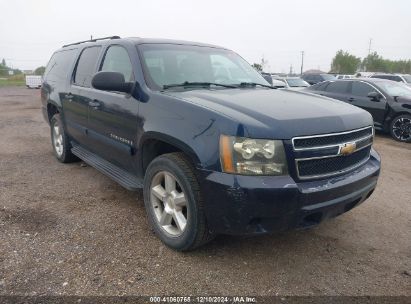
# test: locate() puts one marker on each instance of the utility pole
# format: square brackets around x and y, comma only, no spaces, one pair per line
[302,61]
[369,47]
[291,69]
[91,37]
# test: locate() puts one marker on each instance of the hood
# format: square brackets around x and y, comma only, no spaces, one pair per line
[281,114]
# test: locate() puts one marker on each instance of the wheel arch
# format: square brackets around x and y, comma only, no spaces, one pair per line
[154,144]
[52,109]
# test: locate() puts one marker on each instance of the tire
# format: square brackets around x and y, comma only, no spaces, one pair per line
[179,197]
[60,142]
[400,128]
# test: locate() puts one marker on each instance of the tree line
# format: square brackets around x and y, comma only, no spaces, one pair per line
[346,63]
[4,69]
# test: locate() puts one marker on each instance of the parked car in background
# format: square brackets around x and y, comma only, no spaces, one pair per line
[388,102]
[404,78]
[214,147]
[364,74]
[294,83]
[276,83]
[340,76]
[33,81]
[316,78]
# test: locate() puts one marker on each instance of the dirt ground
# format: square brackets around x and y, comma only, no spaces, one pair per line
[68,229]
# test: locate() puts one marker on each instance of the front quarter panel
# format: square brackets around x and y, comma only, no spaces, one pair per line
[192,128]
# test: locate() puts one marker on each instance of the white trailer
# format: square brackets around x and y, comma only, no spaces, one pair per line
[33,81]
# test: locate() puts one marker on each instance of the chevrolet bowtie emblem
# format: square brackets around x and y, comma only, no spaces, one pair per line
[347,148]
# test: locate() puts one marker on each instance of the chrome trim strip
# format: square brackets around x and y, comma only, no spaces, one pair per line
[330,134]
[330,156]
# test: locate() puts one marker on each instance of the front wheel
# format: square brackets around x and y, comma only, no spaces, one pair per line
[173,202]
[400,128]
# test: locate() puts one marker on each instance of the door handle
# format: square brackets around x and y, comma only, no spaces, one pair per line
[351,99]
[94,104]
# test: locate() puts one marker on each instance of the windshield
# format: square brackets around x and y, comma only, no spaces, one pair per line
[407,78]
[297,82]
[395,88]
[168,64]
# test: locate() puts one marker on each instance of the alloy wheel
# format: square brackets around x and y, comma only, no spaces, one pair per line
[401,128]
[168,201]
[57,139]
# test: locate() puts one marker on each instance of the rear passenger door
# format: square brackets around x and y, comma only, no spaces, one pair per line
[113,118]
[359,97]
[337,90]
[76,103]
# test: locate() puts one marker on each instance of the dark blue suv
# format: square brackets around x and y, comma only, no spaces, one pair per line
[215,148]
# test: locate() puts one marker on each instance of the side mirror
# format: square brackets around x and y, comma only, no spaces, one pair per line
[111,81]
[374,96]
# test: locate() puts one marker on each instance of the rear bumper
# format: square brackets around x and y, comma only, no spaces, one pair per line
[236,204]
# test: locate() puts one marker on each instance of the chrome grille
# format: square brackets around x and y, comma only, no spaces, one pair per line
[326,154]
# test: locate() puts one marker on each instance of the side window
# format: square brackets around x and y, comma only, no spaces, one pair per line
[337,87]
[322,86]
[116,59]
[361,89]
[86,66]
[59,65]
[397,78]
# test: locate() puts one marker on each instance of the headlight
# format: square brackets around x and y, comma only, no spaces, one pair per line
[248,156]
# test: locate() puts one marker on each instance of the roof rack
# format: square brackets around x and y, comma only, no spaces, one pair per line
[93,40]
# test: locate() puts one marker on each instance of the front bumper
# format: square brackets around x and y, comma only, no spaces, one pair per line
[238,204]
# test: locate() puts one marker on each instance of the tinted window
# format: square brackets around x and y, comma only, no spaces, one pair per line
[117,60]
[86,66]
[316,78]
[322,86]
[337,87]
[59,65]
[361,89]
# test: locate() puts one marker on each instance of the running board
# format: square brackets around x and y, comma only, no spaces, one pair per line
[121,176]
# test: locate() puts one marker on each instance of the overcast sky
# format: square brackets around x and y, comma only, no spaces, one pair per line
[278,30]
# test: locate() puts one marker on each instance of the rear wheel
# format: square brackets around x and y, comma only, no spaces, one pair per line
[400,128]
[60,141]
[174,204]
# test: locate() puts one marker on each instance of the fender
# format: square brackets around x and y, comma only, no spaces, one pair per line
[173,141]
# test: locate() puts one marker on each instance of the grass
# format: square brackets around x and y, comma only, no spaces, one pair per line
[16,80]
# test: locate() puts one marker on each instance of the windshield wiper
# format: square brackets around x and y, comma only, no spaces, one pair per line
[194,84]
[253,84]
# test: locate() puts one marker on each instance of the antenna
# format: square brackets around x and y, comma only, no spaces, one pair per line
[302,61]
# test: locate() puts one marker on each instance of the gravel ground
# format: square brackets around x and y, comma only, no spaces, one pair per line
[68,229]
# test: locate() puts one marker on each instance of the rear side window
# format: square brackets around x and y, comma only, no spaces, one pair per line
[337,87]
[86,66]
[59,65]
[322,86]
[117,60]
[319,86]
[361,89]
